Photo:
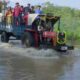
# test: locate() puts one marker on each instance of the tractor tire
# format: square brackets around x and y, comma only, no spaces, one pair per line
[27,39]
[4,37]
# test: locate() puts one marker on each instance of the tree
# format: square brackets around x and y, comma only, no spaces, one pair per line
[70,18]
[0,6]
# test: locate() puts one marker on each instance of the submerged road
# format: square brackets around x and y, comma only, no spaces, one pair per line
[17,63]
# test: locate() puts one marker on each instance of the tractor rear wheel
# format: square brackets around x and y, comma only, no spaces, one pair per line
[27,39]
[5,37]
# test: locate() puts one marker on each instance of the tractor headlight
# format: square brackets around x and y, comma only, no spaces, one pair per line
[61,38]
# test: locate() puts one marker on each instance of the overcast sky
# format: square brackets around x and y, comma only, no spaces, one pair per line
[70,3]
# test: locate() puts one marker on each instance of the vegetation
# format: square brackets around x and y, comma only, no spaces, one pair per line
[0,7]
[70,19]
[3,5]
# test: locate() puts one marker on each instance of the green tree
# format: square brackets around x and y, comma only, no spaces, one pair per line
[0,7]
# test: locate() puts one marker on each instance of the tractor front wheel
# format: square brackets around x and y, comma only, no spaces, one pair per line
[27,39]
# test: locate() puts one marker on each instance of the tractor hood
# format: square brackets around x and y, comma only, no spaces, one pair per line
[31,18]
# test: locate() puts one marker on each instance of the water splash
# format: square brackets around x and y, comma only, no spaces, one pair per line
[15,47]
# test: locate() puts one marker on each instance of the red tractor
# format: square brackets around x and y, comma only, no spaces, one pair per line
[41,33]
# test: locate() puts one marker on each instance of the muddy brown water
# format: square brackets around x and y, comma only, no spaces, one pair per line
[30,64]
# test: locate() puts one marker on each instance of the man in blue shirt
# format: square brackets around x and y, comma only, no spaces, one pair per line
[38,10]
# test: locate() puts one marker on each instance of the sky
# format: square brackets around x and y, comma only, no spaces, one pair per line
[70,3]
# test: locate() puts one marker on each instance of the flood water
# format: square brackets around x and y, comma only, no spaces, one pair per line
[31,64]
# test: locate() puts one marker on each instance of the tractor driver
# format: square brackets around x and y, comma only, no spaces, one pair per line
[50,21]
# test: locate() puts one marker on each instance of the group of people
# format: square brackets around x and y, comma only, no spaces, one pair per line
[19,15]
[19,11]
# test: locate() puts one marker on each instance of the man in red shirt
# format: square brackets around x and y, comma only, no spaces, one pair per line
[16,14]
[26,19]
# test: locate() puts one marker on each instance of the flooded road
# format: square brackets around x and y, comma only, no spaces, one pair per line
[31,64]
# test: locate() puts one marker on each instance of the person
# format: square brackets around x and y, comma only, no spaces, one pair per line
[32,9]
[38,10]
[27,9]
[16,14]
[50,21]
[9,17]
[25,18]
[22,8]
[22,15]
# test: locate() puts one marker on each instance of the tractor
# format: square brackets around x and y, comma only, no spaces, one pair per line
[38,32]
